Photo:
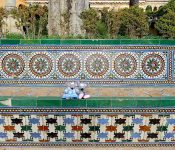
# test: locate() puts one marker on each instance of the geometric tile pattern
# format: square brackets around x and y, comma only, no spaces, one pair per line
[98,128]
[108,65]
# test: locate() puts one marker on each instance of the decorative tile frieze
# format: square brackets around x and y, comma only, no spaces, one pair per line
[82,128]
[96,65]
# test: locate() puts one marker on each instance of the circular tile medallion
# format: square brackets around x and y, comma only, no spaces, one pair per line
[97,65]
[153,65]
[13,64]
[69,65]
[125,65]
[40,65]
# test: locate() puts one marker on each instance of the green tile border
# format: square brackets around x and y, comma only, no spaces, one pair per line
[99,103]
[110,42]
[96,102]
[70,42]
[29,103]
[49,103]
[89,41]
[167,42]
[30,41]
[9,42]
[73,103]
[50,41]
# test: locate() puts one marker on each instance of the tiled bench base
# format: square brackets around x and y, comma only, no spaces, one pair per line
[87,127]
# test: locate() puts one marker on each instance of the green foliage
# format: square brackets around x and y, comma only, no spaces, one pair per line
[53,37]
[102,25]
[101,30]
[130,22]
[67,37]
[149,8]
[111,19]
[3,14]
[21,15]
[14,36]
[31,20]
[133,22]
[153,37]
[90,20]
[170,6]
[166,20]
[166,25]
[123,37]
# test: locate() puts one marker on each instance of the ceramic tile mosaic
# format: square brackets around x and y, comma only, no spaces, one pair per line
[97,65]
[34,126]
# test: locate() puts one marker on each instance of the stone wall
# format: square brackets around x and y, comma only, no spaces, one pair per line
[119,4]
[152,3]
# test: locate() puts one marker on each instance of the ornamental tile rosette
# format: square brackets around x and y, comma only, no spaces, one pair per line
[97,65]
[154,65]
[68,65]
[125,64]
[40,64]
[13,64]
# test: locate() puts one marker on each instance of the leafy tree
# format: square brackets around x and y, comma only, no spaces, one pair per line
[3,14]
[101,31]
[149,10]
[102,24]
[166,25]
[167,7]
[161,21]
[130,22]
[151,20]
[114,23]
[21,15]
[31,20]
[41,15]
[90,19]
[134,22]
[111,20]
